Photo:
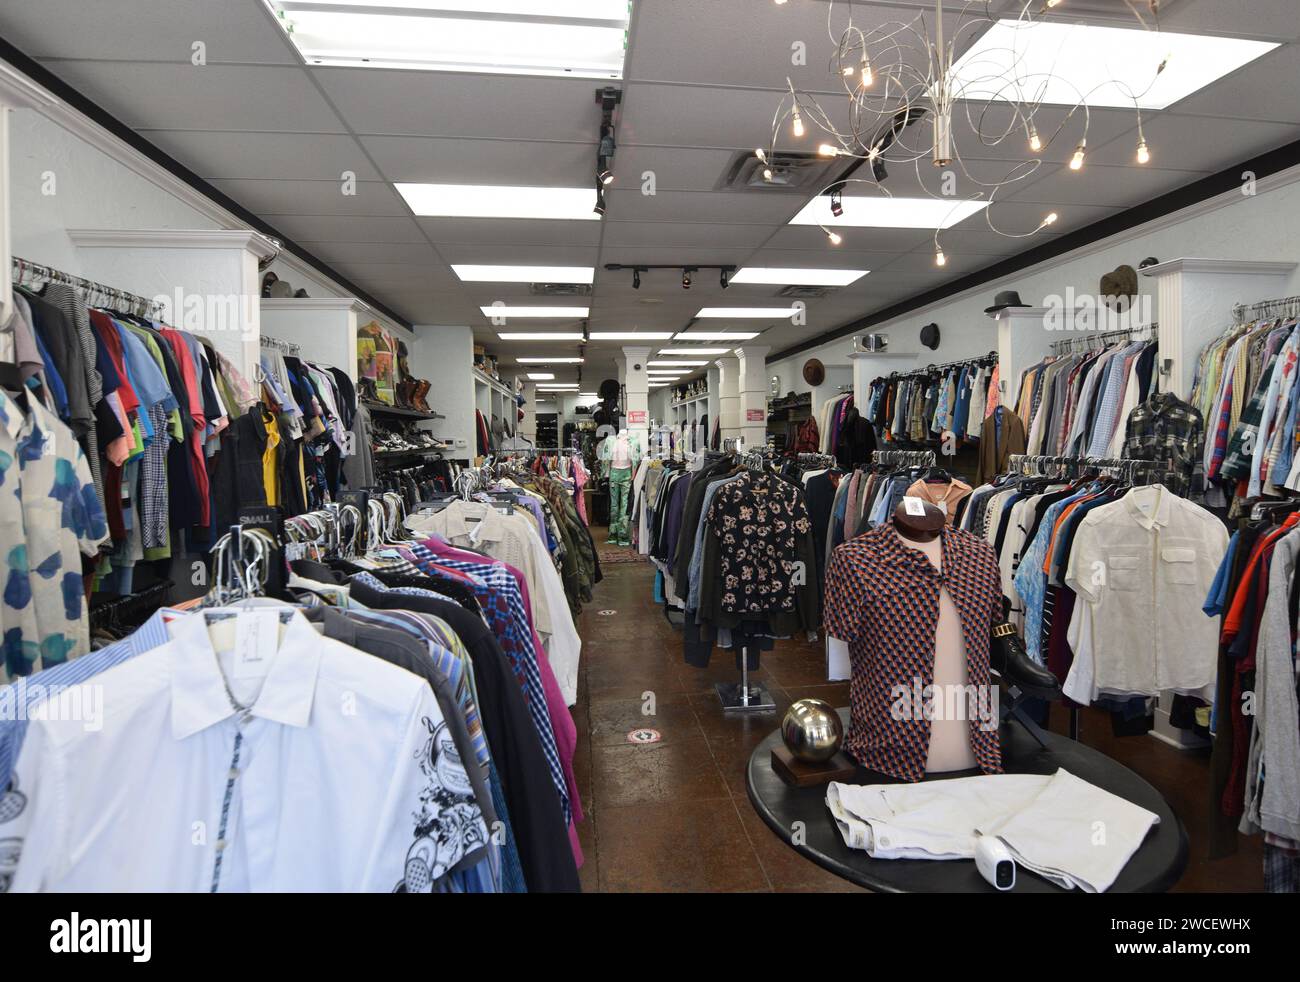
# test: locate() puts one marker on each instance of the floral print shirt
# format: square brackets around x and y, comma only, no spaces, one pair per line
[758,520]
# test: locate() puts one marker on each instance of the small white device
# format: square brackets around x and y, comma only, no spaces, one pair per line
[993,860]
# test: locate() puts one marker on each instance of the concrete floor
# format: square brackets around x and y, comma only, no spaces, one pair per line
[674,815]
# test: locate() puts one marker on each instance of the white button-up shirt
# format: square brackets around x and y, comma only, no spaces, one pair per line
[1142,568]
[342,776]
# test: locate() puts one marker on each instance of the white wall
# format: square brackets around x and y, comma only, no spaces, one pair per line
[1263,227]
[445,356]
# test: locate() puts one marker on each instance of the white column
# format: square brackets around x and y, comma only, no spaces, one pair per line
[752,385]
[528,425]
[729,396]
[207,279]
[637,386]
[1194,304]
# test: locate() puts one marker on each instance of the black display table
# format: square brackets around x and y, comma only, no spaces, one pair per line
[1154,868]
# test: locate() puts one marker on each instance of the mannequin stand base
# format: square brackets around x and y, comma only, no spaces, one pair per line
[1014,710]
[739,698]
[802,774]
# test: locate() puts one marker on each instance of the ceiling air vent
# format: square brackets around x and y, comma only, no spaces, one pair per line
[559,289]
[805,292]
[792,172]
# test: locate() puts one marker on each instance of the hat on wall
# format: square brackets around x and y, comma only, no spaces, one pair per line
[1148,262]
[280,290]
[814,372]
[1004,300]
[1119,287]
[930,336]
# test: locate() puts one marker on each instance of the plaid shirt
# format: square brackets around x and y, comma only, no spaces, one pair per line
[1241,449]
[1164,428]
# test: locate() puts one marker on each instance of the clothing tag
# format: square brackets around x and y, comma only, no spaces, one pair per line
[256,639]
[295,550]
[476,534]
[914,506]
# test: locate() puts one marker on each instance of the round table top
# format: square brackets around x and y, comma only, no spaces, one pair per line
[1156,866]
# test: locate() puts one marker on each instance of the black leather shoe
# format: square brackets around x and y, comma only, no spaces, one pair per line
[1008,657]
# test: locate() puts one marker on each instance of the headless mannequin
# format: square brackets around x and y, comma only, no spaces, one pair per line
[950,748]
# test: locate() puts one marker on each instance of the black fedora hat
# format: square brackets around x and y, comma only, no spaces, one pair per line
[1005,299]
[930,336]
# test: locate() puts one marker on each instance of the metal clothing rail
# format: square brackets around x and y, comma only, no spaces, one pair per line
[1043,466]
[286,347]
[1281,307]
[1083,342]
[985,360]
[909,458]
[24,270]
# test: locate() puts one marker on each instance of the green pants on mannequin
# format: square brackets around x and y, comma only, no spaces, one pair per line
[620,484]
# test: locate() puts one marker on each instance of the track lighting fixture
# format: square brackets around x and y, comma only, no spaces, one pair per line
[608,99]
[837,202]
[722,278]
[686,277]
[605,175]
[600,199]
[636,279]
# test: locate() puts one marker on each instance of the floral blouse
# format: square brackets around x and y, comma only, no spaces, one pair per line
[758,520]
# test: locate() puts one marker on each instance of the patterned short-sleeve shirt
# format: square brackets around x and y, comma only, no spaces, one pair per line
[882,599]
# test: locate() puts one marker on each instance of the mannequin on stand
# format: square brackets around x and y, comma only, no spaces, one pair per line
[919,525]
[622,454]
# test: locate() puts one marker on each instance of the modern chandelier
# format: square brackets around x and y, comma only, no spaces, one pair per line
[903,73]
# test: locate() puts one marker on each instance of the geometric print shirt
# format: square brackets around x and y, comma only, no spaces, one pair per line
[882,599]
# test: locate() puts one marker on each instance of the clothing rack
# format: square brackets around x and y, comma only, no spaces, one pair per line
[985,361]
[125,610]
[810,460]
[908,458]
[285,347]
[23,268]
[1090,340]
[1125,468]
[1281,307]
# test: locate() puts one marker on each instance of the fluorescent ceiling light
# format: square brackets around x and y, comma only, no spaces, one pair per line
[524,274]
[798,277]
[557,387]
[569,38]
[675,364]
[733,313]
[542,376]
[631,336]
[695,351]
[588,395]
[499,201]
[548,313]
[539,336]
[1065,64]
[667,373]
[861,211]
[716,336]
[548,360]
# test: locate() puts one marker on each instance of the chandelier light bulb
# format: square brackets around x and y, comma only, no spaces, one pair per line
[1050,219]
[1035,144]
[758,152]
[797,124]
[835,237]
[1076,162]
[780,3]
[1144,153]
[865,71]
[827,150]
[847,70]
[767,174]
[940,259]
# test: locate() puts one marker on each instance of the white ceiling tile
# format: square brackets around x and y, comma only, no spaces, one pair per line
[517,255]
[212,97]
[285,197]
[1264,89]
[407,159]
[686,235]
[405,103]
[672,168]
[1198,144]
[335,228]
[510,231]
[145,30]
[671,257]
[415,253]
[1117,186]
[721,207]
[266,156]
[816,242]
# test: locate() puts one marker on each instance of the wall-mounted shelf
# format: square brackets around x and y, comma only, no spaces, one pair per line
[483,378]
[384,409]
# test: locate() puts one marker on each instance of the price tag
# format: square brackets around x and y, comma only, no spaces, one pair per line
[257,635]
[914,506]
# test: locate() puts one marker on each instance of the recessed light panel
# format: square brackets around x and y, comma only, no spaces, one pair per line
[675,364]
[756,313]
[694,351]
[524,274]
[630,336]
[539,336]
[798,277]
[551,313]
[716,336]
[569,38]
[1056,62]
[541,376]
[499,201]
[861,211]
[547,360]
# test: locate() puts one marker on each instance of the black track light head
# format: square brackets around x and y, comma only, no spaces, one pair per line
[600,199]
[722,278]
[837,203]
[636,279]
[686,279]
